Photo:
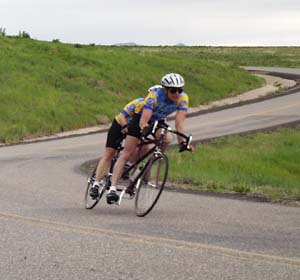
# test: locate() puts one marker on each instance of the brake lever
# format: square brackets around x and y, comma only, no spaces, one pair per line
[189,142]
[154,127]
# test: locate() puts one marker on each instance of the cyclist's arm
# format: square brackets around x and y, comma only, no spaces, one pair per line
[128,111]
[179,121]
[149,104]
[122,119]
[145,118]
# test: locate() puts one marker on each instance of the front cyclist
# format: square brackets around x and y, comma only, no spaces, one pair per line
[160,102]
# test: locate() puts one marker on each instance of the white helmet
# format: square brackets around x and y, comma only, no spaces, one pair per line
[172,80]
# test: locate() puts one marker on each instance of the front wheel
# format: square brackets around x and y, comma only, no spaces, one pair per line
[151,184]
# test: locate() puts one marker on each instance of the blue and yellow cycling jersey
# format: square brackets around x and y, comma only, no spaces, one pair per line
[160,105]
[129,109]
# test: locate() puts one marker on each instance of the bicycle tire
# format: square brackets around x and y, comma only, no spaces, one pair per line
[151,184]
[89,202]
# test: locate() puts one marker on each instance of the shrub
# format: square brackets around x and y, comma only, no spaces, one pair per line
[2,31]
[24,34]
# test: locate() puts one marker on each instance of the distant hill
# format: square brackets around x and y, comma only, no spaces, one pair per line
[129,44]
[180,45]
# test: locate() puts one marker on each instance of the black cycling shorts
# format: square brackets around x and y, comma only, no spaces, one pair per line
[134,126]
[114,135]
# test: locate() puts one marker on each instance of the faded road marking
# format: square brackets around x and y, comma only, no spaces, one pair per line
[181,245]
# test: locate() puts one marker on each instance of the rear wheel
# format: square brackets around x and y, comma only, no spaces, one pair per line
[89,201]
[151,184]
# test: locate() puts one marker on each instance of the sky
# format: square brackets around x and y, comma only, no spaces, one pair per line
[156,22]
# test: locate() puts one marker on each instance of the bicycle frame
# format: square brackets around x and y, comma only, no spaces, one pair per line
[156,151]
[138,182]
[153,150]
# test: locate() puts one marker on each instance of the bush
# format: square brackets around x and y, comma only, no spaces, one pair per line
[24,34]
[2,31]
[78,45]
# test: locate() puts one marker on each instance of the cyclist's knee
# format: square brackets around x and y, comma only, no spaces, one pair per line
[125,155]
[168,139]
[130,147]
[167,142]
[109,153]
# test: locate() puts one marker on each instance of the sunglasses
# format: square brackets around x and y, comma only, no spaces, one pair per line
[175,90]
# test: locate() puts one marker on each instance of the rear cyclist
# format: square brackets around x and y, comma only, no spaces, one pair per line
[160,102]
[115,136]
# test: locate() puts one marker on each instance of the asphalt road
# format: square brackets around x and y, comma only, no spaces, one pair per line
[46,233]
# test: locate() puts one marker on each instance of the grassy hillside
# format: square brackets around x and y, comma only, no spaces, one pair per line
[240,56]
[264,164]
[49,87]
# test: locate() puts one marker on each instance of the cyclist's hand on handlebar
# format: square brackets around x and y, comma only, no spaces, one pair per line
[147,130]
[183,146]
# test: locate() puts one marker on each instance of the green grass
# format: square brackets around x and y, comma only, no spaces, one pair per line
[48,87]
[264,164]
[241,56]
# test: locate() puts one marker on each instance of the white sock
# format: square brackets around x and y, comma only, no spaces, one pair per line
[112,188]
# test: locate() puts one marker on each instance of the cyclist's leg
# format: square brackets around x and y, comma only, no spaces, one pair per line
[131,142]
[113,140]
[129,147]
[114,137]
[167,139]
[104,163]
[101,171]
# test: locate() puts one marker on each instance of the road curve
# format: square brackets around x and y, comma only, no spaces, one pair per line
[289,73]
[244,119]
[46,233]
